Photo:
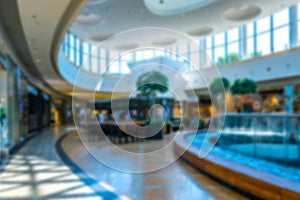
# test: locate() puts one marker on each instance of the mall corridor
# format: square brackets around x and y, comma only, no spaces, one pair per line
[149,99]
[37,171]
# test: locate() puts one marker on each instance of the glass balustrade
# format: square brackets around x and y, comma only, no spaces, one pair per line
[274,137]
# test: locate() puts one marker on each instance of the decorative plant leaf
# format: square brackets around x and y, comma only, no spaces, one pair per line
[151,82]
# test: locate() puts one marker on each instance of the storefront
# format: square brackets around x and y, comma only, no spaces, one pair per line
[9,105]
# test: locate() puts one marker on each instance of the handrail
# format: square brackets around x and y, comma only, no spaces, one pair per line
[260,114]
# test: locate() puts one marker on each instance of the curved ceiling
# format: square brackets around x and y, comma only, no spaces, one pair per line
[173,7]
[44,23]
[196,18]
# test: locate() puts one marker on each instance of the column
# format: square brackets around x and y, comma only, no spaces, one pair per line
[294,26]
[13,102]
[288,101]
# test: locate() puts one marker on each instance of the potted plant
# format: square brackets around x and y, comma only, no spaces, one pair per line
[201,124]
[221,61]
[148,84]
[244,86]
[233,57]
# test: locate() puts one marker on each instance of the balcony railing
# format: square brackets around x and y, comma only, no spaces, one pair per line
[273,137]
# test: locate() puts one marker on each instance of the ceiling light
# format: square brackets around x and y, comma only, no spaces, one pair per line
[242,13]
[89,19]
[100,37]
[127,46]
[164,41]
[200,31]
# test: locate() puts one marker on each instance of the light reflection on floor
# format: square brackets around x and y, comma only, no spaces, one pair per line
[36,172]
[177,181]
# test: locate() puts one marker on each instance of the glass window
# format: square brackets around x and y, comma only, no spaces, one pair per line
[298,11]
[103,54]
[114,55]
[219,56]
[298,33]
[114,67]
[183,48]
[148,54]
[250,29]
[66,38]
[139,55]
[263,44]
[72,55]
[195,62]
[103,65]
[86,48]
[77,44]
[250,47]
[72,41]
[263,24]
[233,35]
[94,64]
[219,39]
[208,57]
[233,48]
[173,54]
[194,48]
[128,57]
[124,67]
[78,55]
[159,53]
[281,18]
[208,42]
[86,61]
[281,39]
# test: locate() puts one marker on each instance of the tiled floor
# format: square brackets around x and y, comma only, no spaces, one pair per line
[177,181]
[36,172]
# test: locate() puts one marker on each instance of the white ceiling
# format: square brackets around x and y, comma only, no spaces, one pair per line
[196,18]
[42,23]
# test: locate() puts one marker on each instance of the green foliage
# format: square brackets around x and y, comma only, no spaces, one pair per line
[218,85]
[221,61]
[201,124]
[257,54]
[243,86]
[233,57]
[151,82]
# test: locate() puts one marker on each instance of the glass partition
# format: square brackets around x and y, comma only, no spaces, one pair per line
[273,137]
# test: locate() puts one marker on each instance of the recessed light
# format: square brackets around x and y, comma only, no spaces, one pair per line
[242,13]
[164,41]
[127,46]
[100,37]
[89,19]
[200,31]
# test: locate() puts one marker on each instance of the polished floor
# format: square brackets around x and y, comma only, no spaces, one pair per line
[37,172]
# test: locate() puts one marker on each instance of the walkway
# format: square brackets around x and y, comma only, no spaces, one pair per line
[177,181]
[37,172]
